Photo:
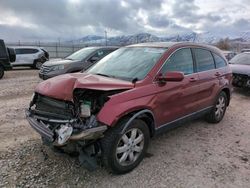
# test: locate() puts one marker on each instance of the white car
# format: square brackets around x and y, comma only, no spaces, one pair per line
[30,56]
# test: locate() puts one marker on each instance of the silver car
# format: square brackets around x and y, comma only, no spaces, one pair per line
[30,56]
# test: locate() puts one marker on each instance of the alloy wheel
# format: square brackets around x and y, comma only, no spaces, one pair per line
[220,107]
[130,147]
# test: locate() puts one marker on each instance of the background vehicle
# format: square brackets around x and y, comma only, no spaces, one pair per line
[7,55]
[129,96]
[245,50]
[30,56]
[229,54]
[240,65]
[78,61]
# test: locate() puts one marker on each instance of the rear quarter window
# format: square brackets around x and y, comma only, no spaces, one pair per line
[219,61]
[204,60]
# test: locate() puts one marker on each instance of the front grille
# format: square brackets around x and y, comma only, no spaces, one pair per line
[241,80]
[53,108]
[45,69]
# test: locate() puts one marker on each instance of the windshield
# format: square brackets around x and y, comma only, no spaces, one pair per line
[128,63]
[81,54]
[243,58]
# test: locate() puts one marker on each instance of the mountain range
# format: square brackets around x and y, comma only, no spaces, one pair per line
[206,37]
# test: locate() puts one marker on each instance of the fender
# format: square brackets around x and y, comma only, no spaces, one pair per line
[135,116]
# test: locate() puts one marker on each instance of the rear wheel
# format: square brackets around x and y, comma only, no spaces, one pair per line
[123,151]
[219,109]
[1,72]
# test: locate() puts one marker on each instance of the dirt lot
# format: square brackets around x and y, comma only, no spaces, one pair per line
[197,154]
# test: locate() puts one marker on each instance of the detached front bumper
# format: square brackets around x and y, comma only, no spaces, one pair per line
[37,123]
[40,127]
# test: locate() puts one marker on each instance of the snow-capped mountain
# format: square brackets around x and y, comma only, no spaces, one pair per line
[206,37]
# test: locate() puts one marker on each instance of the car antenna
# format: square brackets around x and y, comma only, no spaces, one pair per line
[134,80]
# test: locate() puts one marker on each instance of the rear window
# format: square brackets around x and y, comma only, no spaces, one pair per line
[219,61]
[26,51]
[204,60]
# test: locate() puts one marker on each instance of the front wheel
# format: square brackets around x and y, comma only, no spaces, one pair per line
[1,72]
[219,109]
[122,150]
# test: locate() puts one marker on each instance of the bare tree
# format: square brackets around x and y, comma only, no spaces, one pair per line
[224,44]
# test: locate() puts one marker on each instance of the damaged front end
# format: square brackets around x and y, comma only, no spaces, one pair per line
[241,80]
[60,122]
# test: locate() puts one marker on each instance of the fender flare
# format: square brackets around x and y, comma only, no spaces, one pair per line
[135,116]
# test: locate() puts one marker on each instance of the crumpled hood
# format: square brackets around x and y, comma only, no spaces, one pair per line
[240,69]
[62,87]
[58,62]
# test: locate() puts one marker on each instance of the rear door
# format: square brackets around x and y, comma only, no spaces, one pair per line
[177,99]
[208,77]
[25,56]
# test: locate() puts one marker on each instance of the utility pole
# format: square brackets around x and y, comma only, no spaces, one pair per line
[59,41]
[106,37]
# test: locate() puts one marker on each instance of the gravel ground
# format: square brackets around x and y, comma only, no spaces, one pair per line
[197,154]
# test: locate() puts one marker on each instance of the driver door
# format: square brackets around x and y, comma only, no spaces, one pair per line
[177,99]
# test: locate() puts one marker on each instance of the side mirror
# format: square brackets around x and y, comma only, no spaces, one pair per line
[94,59]
[173,76]
[12,54]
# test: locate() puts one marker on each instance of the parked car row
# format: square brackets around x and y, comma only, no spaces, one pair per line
[113,109]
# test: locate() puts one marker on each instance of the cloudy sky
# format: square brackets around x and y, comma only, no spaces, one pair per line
[49,20]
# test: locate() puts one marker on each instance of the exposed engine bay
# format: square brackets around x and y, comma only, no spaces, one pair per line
[241,80]
[59,121]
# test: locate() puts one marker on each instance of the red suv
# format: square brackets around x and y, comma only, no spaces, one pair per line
[114,108]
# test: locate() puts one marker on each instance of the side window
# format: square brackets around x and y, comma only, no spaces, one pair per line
[204,60]
[18,51]
[26,51]
[180,61]
[219,61]
[98,54]
[102,53]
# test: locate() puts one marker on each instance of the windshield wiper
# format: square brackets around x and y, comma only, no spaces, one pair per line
[105,75]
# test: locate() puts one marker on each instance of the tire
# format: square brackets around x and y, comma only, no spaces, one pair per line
[133,145]
[219,109]
[1,72]
[37,64]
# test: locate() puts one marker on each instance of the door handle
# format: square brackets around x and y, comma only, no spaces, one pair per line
[217,74]
[193,79]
